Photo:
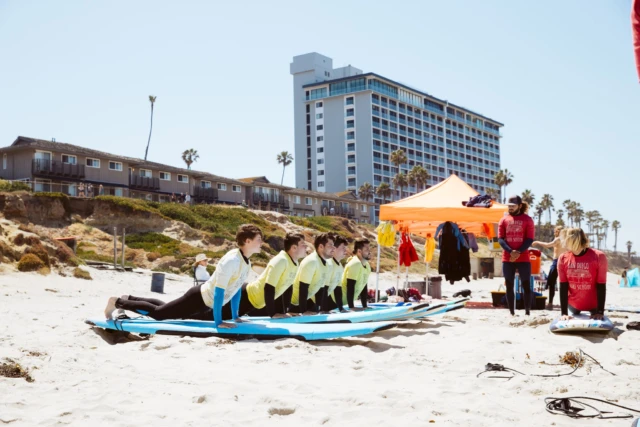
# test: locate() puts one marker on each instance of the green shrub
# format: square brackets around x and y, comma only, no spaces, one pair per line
[30,262]
[7,186]
[81,274]
[38,250]
[129,205]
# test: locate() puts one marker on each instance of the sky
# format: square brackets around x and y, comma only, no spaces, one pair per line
[559,74]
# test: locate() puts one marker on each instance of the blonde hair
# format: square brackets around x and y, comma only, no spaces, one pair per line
[559,228]
[575,240]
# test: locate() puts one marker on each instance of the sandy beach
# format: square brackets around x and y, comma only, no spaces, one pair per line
[421,373]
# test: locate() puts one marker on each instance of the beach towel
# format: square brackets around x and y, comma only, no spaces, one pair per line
[429,248]
[386,234]
[635,28]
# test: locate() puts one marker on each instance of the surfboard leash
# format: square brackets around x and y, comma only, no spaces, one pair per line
[563,406]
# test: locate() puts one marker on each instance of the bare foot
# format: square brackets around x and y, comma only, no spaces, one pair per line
[111,307]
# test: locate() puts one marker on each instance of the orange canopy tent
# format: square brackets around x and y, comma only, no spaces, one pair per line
[423,212]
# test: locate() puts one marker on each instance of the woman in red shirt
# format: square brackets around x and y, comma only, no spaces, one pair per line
[583,277]
[515,235]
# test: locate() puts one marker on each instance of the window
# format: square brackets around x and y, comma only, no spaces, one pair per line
[351,170]
[93,163]
[4,161]
[363,208]
[318,104]
[222,187]
[165,176]
[321,161]
[146,173]
[183,178]
[320,172]
[351,146]
[351,158]
[205,184]
[320,150]
[352,182]
[118,192]
[296,200]
[351,135]
[236,188]
[351,123]
[319,127]
[320,138]
[320,183]
[350,112]
[307,201]
[319,116]
[71,160]
[349,101]
[115,166]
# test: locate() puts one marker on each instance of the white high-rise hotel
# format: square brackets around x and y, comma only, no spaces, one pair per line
[347,123]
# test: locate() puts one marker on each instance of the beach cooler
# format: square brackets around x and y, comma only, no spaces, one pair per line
[535,258]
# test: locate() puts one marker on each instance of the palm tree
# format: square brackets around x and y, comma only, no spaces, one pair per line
[559,213]
[570,207]
[498,178]
[539,211]
[189,156]
[578,215]
[615,226]
[604,227]
[398,157]
[366,191]
[528,197]
[418,176]
[285,159]
[400,181]
[629,246]
[383,191]
[493,193]
[547,202]
[592,220]
[508,179]
[152,100]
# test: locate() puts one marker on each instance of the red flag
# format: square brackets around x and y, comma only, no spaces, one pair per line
[635,27]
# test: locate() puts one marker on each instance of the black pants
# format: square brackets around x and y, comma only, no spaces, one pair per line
[509,271]
[552,279]
[188,306]
[311,306]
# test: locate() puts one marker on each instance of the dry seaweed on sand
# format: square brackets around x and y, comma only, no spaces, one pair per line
[11,369]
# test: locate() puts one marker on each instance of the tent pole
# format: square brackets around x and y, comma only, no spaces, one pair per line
[377,272]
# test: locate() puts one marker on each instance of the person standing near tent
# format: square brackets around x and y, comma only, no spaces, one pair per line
[558,249]
[583,277]
[515,235]
[313,274]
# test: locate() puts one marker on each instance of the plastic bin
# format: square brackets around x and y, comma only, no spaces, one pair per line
[157,282]
[535,257]
[435,287]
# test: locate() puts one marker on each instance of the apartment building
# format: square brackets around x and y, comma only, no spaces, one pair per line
[302,202]
[60,167]
[347,123]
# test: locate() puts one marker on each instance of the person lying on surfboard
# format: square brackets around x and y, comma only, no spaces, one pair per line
[223,286]
[583,277]
[355,278]
[334,288]
[270,294]
[313,274]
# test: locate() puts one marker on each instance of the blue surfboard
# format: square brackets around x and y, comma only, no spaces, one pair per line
[625,309]
[581,323]
[393,313]
[259,330]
